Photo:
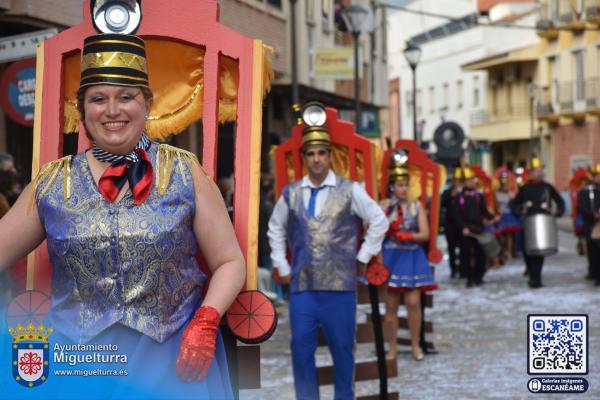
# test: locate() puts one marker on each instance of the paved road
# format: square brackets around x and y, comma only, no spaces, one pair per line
[480,335]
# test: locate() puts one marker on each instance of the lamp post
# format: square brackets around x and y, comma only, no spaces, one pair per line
[531,88]
[294,60]
[354,18]
[412,53]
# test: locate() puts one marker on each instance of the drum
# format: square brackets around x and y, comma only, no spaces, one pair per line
[541,235]
[489,243]
[596,231]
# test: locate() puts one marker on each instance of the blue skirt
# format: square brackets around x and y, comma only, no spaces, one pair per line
[149,372]
[509,222]
[409,268]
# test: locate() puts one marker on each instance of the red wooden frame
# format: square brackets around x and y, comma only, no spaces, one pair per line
[195,23]
[429,170]
[340,132]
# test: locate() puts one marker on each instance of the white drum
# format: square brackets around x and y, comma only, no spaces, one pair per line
[541,235]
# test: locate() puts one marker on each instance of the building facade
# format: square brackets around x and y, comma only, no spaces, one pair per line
[568,102]
[445,91]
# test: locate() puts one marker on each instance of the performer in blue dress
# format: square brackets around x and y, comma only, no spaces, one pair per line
[509,223]
[123,223]
[403,255]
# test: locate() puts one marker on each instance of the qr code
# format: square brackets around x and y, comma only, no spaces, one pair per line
[557,344]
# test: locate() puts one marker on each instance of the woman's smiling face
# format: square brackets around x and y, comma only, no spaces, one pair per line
[115,116]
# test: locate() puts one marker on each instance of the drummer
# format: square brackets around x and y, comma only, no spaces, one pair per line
[470,213]
[451,228]
[536,197]
[588,204]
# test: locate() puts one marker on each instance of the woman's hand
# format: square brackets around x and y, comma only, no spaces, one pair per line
[198,344]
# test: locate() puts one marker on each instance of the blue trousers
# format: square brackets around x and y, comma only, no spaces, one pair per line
[335,313]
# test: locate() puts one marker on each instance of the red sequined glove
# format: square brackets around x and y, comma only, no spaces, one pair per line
[198,343]
[404,236]
[394,227]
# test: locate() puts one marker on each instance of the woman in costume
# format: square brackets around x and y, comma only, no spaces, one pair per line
[509,224]
[403,255]
[124,221]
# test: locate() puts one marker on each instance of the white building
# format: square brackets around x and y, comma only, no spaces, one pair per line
[473,31]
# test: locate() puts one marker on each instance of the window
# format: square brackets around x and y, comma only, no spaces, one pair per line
[579,81]
[459,94]
[431,99]
[310,10]
[554,10]
[446,96]
[476,99]
[275,3]
[553,65]
[325,12]
[311,51]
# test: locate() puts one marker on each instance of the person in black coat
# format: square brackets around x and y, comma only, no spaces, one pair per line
[451,227]
[471,213]
[536,197]
[588,204]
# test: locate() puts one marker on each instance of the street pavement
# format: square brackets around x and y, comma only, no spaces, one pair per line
[480,335]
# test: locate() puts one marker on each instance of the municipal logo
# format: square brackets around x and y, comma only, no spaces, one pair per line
[30,354]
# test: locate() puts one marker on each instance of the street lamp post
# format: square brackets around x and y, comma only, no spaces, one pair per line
[354,18]
[412,53]
[294,60]
[531,87]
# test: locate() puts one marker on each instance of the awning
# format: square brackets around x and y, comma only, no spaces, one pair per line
[521,55]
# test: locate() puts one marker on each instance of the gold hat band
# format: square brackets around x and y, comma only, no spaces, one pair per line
[315,136]
[116,59]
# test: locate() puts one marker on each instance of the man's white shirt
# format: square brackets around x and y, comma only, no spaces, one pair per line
[362,206]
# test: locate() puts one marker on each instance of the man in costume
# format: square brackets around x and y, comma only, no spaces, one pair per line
[588,204]
[470,212]
[319,217]
[451,227]
[536,197]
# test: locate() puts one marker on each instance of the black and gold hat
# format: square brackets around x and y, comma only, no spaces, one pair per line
[114,59]
[314,117]
[398,170]
[468,173]
[595,170]
[536,163]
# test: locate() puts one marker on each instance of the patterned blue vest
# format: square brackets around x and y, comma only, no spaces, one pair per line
[323,247]
[120,263]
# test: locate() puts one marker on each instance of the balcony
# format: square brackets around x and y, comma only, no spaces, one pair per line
[572,99]
[546,29]
[506,122]
[564,15]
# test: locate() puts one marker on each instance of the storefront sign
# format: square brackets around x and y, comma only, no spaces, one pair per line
[337,63]
[19,47]
[17,91]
